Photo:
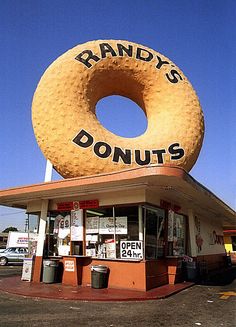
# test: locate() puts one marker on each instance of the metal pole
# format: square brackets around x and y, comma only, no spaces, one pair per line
[48,172]
[140,223]
[114,219]
[144,232]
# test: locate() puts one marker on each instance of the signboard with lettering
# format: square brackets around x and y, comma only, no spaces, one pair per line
[107,226]
[27,270]
[89,204]
[65,206]
[92,225]
[69,265]
[131,249]
[76,228]
[85,204]
[88,148]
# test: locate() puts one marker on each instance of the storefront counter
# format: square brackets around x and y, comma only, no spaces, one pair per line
[73,269]
[124,274]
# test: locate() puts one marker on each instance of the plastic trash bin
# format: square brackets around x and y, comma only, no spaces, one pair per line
[50,271]
[99,276]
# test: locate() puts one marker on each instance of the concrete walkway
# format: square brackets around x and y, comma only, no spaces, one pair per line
[14,285]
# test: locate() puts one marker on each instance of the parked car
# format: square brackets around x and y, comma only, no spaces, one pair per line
[12,255]
[2,249]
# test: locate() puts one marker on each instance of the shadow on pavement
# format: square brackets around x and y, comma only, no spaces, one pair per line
[219,278]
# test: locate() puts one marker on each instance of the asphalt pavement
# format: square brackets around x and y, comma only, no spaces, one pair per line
[209,305]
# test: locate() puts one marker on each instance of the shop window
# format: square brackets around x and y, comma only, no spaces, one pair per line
[128,244]
[110,230]
[57,240]
[154,235]
[176,234]
[233,238]
[64,233]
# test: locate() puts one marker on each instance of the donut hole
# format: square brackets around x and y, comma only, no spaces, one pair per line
[109,81]
[121,116]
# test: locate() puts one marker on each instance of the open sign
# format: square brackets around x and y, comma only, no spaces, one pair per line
[131,249]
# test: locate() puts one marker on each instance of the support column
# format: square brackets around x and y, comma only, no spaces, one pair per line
[192,236]
[40,243]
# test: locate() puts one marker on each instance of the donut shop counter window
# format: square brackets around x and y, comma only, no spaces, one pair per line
[111,231]
[176,234]
[154,219]
[121,232]
[57,241]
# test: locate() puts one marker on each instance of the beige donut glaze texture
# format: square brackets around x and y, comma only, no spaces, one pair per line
[69,133]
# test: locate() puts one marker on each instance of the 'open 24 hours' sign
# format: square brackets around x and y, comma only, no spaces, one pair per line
[131,249]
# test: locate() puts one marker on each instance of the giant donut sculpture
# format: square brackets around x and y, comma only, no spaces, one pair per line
[69,133]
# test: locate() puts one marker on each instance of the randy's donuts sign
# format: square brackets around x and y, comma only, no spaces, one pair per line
[64,105]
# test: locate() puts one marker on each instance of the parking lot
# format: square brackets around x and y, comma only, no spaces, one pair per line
[200,305]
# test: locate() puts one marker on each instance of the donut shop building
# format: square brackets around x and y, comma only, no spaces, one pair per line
[127,204]
[140,223]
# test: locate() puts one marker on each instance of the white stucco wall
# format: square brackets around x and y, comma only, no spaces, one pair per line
[209,233]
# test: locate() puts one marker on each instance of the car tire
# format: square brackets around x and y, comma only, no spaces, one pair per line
[3,261]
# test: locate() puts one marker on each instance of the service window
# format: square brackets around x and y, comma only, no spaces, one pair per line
[107,230]
[176,234]
[57,240]
[154,232]
[128,244]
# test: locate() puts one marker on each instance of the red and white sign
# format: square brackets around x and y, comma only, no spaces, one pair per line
[69,265]
[89,204]
[65,206]
[86,204]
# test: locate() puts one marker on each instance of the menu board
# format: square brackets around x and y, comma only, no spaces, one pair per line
[92,225]
[107,226]
[77,225]
[27,270]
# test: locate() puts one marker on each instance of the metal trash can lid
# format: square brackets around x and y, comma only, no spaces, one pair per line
[50,263]
[99,268]
[191,264]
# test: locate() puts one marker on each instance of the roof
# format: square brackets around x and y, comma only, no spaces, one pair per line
[171,183]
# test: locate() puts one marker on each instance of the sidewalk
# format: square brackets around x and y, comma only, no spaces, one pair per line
[14,285]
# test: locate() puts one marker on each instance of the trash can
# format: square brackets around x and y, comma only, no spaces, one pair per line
[99,276]
[50,271]
[191,270]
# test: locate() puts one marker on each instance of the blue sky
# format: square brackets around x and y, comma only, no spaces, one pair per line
[197,35]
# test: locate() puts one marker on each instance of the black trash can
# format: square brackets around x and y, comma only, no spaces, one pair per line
[99,276]
[191,271]
[50,271]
